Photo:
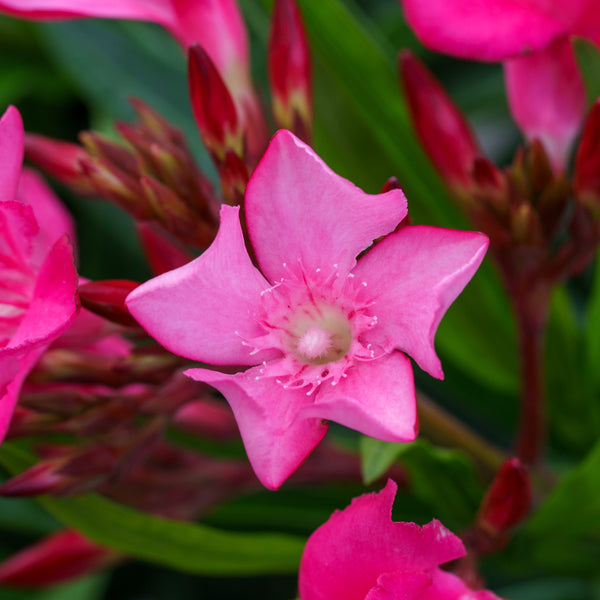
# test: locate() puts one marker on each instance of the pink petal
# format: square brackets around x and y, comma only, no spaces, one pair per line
[485,29]
[50,213]
[400,586]
[446,586]
[158,11]
[19,232]
[377,399]
[218,26]
[18,367]
[547,98]
[54,302]
[205,309]
[275,438]
[415,274]
[11,152]
[344,558]
[299,210]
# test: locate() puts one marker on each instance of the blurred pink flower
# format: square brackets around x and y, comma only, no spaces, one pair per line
[324,335]
[217,25]
[544,87]
[361,554]
[38,281]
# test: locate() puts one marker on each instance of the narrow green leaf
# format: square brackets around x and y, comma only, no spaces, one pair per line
[189,547]
[588,57]
[376,457]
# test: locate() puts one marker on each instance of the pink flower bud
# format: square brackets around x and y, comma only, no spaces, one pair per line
[441,127]
[162,253]
[508,499]
[59,159]
[57,558]
[290,70]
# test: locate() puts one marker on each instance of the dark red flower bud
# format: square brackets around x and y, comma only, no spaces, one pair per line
[441,127]
[587,161]
[290,70]
[508,499]
[60,557]
[107,299]
[213,106]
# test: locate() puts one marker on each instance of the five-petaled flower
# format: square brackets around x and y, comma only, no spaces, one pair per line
[38,280]
[361,554]
[324,335]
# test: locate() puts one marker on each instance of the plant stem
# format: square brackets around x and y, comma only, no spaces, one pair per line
[446,429]
[531,316]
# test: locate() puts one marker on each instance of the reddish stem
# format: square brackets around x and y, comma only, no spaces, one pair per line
[531,315]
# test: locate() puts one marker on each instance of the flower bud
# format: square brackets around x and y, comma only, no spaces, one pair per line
[441,127]
[587,162]
[107,299]
[60,160]
[213,106]
[162,253]
[508,499]
[290,70]
[57,558]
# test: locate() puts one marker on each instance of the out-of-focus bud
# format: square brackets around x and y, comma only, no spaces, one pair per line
[290,70]
[207,418]
[508,499]
[42,478]
[55,559]
[441,127]
[59,159]
[107,299]
[587,163]
[162,253]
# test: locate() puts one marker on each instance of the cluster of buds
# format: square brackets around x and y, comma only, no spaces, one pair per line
[542,228]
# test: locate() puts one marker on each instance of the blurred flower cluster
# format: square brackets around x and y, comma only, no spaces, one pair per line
[148,415]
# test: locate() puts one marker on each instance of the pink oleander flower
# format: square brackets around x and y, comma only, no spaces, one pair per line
[544,86]
[361,554]
[324,335]
[38,281]
[215,24]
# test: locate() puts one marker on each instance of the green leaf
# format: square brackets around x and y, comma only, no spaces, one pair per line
[189,547]
[563,535]
[443,479]
[90,588]
[376,457]
[588,57]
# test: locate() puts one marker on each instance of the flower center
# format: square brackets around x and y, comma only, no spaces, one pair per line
[319,333]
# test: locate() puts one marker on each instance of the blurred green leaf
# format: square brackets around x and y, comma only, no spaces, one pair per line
[189,547]
[563,535]
[377,457]
[548,589]
[572,377]
[588,57]
[444,479]
[89,588]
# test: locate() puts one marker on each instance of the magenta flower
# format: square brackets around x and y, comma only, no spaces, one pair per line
[544,87]
[215,24]
[38,281]
[361,554]
[324,335]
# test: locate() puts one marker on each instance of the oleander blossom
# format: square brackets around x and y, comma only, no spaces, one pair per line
[532,38]
[38,280]
[324,335]
[361,554]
